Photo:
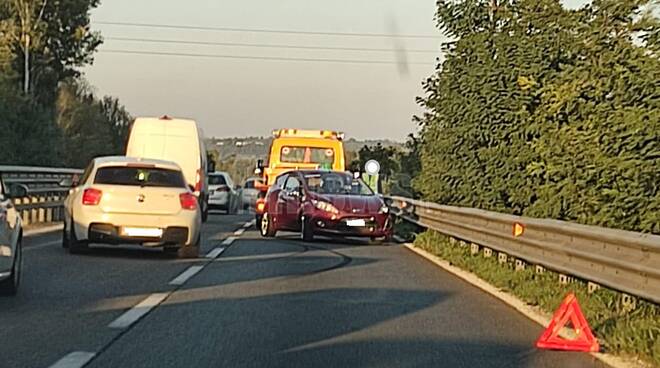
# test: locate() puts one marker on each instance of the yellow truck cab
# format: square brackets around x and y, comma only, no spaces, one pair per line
[297,149]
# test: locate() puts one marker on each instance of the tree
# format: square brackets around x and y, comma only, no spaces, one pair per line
[538,110]
[91,127]
[50,39]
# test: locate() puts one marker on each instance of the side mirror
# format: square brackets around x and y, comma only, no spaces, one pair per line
[210,166]
[17,191]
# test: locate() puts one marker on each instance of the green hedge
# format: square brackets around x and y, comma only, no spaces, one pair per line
[546,112]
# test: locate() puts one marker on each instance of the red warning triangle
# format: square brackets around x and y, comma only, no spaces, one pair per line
[568,311]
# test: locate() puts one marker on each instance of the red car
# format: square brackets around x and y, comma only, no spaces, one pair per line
[325,203]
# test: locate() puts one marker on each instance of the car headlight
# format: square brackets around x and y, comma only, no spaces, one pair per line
[325,206]
[384,210]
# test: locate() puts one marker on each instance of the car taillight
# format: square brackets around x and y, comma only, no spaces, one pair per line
[91,197]
[261,205]
[188,201]
[198,181]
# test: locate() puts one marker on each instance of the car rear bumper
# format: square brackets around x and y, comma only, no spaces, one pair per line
[105,227]
[219,201]
[110,234]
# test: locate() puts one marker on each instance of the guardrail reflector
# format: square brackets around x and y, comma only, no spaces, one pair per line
[518,229]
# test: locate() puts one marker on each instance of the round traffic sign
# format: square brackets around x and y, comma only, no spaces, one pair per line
[372,167]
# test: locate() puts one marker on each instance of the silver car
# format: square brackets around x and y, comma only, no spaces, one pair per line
[11,236]
[250,192]
[223,193]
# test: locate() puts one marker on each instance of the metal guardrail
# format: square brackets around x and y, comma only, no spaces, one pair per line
[45,199]
[621,260]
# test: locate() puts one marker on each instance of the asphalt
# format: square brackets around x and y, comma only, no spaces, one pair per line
[263,303]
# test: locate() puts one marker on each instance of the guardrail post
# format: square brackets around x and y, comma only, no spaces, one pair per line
[41,212]
[488,252]
[474,249]
[34,213]
[502,257]
[628,302]
[49,210]
[25,214]
[57,211]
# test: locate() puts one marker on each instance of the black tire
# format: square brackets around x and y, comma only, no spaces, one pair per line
[189,251]
[306,230]
[257,222]
[205,214]
[76,246]
[9,286]
[266,227]
[65,238]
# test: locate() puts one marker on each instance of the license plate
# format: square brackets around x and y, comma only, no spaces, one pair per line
[356,223]
[141,232]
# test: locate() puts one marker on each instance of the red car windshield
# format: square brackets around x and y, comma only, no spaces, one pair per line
[336,184]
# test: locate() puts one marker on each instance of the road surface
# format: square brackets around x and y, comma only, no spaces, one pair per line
[260,303]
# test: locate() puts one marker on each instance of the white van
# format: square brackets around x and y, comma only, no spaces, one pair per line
[177,140]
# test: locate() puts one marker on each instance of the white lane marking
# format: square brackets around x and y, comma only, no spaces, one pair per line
[44,245]
[239,232]
[77,359]
[186,275]
[42,230]
[229,240]
[135,313]
[213,254]
[248,224]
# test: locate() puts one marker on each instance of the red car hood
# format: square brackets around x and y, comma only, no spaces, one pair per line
[355,204]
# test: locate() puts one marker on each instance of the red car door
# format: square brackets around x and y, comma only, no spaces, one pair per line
[288,204]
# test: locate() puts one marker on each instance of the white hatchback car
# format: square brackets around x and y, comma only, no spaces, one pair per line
[122,200]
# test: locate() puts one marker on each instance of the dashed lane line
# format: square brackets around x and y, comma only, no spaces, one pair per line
[186,275]
[77,359]
[215,253]
[137,312]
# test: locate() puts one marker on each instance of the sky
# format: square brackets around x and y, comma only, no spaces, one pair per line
[372,96]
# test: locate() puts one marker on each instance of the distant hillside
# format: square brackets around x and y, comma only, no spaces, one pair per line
[257,147]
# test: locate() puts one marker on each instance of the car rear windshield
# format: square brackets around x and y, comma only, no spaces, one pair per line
[217,180]
[335,183]
[308,155]
[140,176]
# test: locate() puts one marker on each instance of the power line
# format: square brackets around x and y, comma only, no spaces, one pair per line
[210,43]
[271,58]
[256,30]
